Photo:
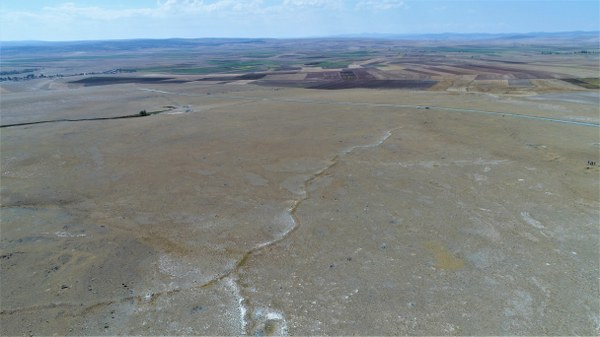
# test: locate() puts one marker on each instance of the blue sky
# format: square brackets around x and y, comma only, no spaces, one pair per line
[119,19]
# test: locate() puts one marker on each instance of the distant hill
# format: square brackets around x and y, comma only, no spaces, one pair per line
[180,42]
[9,47]
[473,36]
[114,47]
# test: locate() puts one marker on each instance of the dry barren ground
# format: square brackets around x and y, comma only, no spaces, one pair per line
[268,211]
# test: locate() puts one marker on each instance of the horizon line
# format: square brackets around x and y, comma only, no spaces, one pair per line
[366,35]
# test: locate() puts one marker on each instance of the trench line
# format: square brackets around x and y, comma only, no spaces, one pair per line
[292,213]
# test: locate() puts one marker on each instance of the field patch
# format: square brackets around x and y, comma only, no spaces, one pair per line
[96,80]
[520,83]
[588,83]
[376,84]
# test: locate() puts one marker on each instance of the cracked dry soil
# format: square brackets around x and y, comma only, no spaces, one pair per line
[272,217]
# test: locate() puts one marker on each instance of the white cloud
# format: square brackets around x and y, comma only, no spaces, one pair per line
[174,8]
[70,9]
[379,5]
[251,6]
[162,9]
[76,19]
[311,3]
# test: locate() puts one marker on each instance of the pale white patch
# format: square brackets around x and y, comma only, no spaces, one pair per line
[235,289]
[533,222]
[256,179]
[287,220]
[379,142]
[69,235]
[295,184]
[275,319]
[479,177]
